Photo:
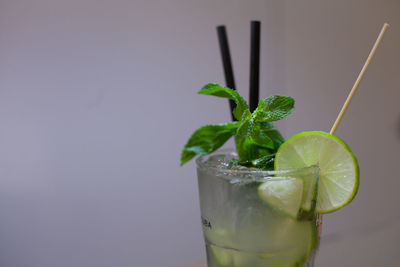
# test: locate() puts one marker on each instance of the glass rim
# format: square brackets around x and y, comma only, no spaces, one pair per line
[200,162]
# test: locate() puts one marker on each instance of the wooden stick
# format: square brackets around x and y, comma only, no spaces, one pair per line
[359,78]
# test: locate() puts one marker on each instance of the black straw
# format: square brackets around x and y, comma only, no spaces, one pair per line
[227,63]
[254,64]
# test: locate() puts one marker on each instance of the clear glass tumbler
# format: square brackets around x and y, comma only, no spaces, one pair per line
[241,229]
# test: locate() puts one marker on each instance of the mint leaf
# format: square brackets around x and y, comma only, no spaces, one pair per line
[252,139]
[265,162]
[255,139]
[240,111]
[273,108]
[261,135]
[268,129]
[207,139]
[247,149]
[246,127]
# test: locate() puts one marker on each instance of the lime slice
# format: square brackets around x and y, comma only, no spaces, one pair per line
[339,171]
[283,194]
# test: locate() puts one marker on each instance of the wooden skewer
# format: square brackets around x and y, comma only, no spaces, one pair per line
[359,78]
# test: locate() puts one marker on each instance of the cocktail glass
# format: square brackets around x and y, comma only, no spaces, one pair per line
[241,229]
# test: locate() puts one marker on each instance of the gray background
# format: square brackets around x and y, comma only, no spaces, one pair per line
[98,97]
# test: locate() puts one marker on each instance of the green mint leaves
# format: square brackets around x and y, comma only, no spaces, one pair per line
[207,139]
[257,139]
[274,108]
[241,110]
[256,136]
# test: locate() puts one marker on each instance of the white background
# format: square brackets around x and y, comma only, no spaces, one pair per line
[97,99]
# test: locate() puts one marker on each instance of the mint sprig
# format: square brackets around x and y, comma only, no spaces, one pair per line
[257,138]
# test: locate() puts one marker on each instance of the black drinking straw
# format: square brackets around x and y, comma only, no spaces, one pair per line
[254,64]
[227,63]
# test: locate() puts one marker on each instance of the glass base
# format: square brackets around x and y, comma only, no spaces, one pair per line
[227,257]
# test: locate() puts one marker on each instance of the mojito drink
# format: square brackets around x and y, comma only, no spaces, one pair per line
[244,221]
[260,205]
